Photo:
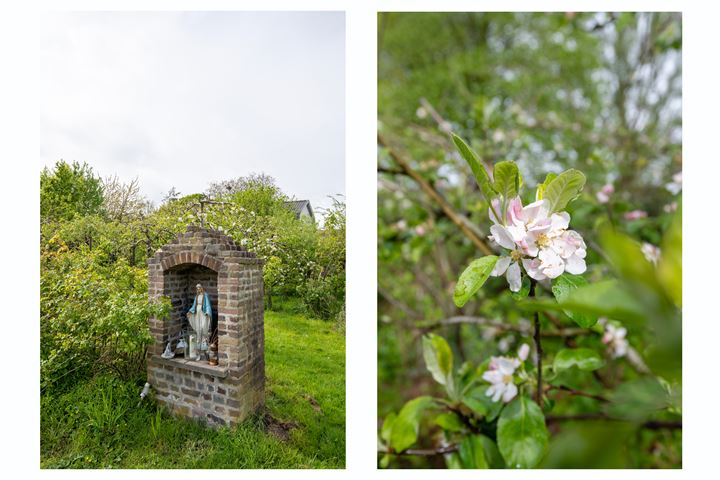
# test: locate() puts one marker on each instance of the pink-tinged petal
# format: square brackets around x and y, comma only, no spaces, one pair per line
[532,267]
[513,277]
[535,211]
[529,246]
[517,233]
[575,265]
[515,210]
[540,226]
[560,221]
[510,392]
[523,351]
[500,266]
[554,271]
[496,206]
[492,376]
[502,237]
[506,366]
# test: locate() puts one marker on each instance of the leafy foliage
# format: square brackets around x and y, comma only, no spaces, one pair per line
[556,98]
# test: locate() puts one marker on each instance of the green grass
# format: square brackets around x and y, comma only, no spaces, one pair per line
[98,424]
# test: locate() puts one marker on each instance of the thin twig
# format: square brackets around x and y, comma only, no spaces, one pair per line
[578,393]
[538,347]
[429,452]
[503,327]
[458,219]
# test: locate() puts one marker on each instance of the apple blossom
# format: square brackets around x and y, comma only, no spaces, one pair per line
[537,238]
[500,375]
[670,207]
[603,195]
[651,252]
[675,186]
[614,338]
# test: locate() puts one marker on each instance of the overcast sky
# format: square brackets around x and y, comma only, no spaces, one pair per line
[183,99]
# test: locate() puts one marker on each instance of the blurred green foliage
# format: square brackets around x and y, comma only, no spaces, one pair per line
[600,93]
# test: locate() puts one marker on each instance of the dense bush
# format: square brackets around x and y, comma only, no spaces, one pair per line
[96,237]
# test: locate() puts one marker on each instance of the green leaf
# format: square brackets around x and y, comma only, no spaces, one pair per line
[481,404]
[521,433]
[439,360]
[563,189]
[507,179]
[407,424]
[387,427]
[540,192]
[582,358]
[562,287]
[472,452]
[481,176]
[608,298]
[449,421]
[638,399]
[670,265]
[473,278]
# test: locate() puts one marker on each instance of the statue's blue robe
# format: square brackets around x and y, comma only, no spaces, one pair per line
[207,308]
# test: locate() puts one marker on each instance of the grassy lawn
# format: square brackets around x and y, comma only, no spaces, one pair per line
[98,424]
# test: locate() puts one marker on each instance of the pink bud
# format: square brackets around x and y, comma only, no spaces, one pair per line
[635,215]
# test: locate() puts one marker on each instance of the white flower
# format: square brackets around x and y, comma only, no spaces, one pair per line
[670,207]
[603,196]
[675,186]
[614,338]
[532,231]
[421,112]
[500,375]
[651,252]
[523,352]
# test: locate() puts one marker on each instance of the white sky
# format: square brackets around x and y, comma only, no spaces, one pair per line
[183,99]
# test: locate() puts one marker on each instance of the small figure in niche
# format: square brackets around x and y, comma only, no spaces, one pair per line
[200,316]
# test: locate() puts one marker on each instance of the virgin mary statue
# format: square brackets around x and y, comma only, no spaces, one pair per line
[200,314]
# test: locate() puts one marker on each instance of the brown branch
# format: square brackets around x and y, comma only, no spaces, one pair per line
[458,219]
[430,452]
[578,393]
[505,327]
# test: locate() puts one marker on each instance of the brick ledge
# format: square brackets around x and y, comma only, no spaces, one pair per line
[215,371]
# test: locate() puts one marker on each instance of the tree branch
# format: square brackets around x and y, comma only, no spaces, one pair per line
[430,452]
[458,219]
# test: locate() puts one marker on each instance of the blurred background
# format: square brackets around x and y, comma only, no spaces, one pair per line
[600,92]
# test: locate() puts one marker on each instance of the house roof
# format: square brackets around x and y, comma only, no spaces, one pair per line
[297,207]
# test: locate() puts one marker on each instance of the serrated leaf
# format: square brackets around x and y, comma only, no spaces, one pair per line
[583,358]
[521,433]
[473,278]
[406,426]
[562,287]
[563,189]
[481,176]
[506,179]
[540,192]
[439,360]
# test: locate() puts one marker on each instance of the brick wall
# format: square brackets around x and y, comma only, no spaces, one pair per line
[228,392]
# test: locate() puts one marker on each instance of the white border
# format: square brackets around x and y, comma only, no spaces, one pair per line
[19,134]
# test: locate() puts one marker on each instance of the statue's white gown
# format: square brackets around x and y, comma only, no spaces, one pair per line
[199,321]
